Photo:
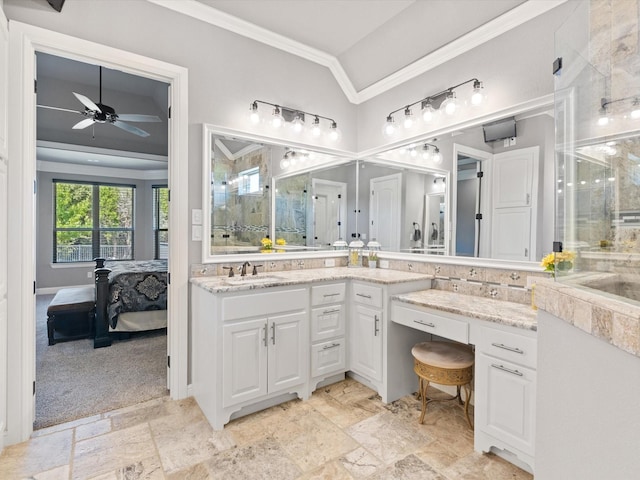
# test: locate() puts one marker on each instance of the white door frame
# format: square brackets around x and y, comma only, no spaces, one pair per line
[24,41]
[342,186]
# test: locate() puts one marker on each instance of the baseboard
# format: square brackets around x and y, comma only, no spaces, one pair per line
[52,290]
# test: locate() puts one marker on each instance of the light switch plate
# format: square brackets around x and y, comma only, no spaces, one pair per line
[196,233]
[196,217]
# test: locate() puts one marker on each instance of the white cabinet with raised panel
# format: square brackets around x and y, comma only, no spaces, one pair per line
[248,348]
[505,389]
[328,327]
[366,332]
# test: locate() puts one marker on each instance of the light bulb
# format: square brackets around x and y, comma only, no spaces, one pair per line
[292,159]
[413,152]
[277,120]
[298,124]
[449,105]
[635,113]
[315,128]
[476,96]
[389,127]
[408,118]
[437,156]
[284,163]
[603,119]
[254,116]
[428,112]
[425,153]
[334,132]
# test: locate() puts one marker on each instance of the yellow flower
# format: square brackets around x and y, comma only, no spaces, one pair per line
[266,243]
[564,260]
[281,241]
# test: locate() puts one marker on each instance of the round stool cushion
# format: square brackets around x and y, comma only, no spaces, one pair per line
[443,354]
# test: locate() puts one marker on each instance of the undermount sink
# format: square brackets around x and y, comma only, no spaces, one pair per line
[252,279]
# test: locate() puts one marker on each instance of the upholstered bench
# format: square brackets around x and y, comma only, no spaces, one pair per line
[71,314]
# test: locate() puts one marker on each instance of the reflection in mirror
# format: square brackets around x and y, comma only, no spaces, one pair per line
[311,207]
[405,206]
[240,199]
[468,202]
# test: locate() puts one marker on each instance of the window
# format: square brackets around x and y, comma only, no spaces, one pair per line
[161,221]
[249,181]
[92,220]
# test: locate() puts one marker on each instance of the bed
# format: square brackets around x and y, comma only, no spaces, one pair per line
[131,296]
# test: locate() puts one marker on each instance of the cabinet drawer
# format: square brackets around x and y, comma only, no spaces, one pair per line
[327,322]
[431,323]
[367,295]
[510,346]
[328,357]
[264,304]
[323,294]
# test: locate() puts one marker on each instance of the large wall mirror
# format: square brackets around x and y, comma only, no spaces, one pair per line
[480,197]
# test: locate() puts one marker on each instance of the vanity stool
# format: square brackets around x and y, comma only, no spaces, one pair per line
[444,363]
[71,314]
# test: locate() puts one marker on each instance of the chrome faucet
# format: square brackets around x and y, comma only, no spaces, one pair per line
[243,271]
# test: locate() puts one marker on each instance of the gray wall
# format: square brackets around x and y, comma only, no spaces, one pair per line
[49,275]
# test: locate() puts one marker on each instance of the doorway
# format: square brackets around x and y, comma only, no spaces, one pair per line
[384,211]
[26,41]
[329,211]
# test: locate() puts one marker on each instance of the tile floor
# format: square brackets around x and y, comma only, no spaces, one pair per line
[343,432]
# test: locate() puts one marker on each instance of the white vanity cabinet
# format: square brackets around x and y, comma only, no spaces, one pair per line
[366,331]
[328,328]
[248,347]
[505,390]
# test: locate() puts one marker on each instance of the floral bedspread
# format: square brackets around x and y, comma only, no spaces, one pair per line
[136,286]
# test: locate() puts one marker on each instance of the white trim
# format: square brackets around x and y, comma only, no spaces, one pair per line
[25,40]
[490,30]
[69,168]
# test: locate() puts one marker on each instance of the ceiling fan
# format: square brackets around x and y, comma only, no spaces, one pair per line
[101,113]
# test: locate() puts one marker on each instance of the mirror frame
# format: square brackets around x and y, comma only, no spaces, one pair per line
[208,130]
[540,103]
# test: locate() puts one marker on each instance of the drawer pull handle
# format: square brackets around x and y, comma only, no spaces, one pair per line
[363,295]
[426,324]
[331,294]
[508,370]
[265,334]
[327,312]
[505,347]
[273,332]
[375,326]
[333,345]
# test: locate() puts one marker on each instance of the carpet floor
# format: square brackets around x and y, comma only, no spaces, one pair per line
[74,380]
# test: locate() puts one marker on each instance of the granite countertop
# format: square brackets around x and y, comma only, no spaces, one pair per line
[482,308]
[221,284]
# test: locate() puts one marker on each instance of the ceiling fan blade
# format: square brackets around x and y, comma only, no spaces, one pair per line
[130,128]
[134,117]
[87,102]
[83,124]
[59,108]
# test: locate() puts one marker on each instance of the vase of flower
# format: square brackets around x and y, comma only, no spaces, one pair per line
[373,260]
[267,245]
[558,263]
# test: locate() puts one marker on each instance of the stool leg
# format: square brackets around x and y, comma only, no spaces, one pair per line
[50,324]
[424,384]
[458,396]
[467,391]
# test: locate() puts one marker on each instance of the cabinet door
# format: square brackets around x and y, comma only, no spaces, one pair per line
[505,401]
[513,175]
[366,342]
[288,351]
[511,236]
[244,361]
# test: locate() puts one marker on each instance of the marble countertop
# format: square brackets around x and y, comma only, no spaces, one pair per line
[221,284]
[482,308]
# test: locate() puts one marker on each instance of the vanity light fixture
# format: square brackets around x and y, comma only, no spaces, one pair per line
[603,114]
[296,118]
[445,101]
[427,154]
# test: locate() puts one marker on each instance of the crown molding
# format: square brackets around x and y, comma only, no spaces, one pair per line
[92,171]
[505,22]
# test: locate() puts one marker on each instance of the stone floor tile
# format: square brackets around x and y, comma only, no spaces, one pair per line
[408,468]
[328,471]
[93,429]
[360,463]
[58,473]
[478,466]
[40,454]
